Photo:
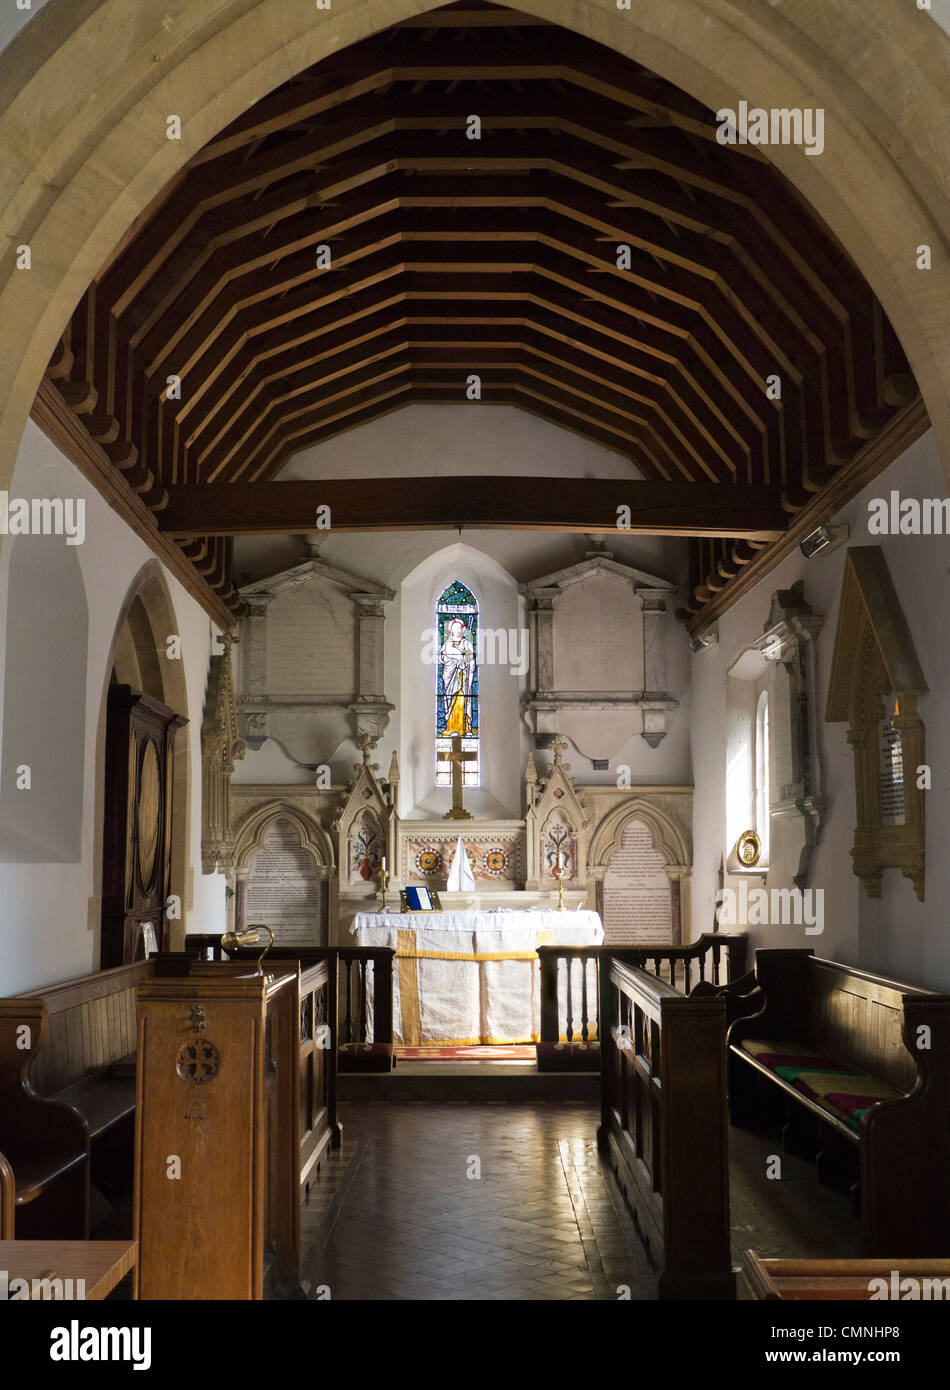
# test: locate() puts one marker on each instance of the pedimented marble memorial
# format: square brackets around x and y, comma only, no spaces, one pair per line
[311,660]
[598,642]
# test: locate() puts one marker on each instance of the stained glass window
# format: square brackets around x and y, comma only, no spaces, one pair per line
[456,682]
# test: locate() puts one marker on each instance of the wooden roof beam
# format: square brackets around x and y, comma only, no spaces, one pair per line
[531,504]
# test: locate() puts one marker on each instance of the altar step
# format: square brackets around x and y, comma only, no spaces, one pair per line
[470,1081]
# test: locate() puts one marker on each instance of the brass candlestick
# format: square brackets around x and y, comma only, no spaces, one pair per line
[559,875]
[382,879]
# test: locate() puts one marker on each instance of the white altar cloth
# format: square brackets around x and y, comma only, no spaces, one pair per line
[463,978]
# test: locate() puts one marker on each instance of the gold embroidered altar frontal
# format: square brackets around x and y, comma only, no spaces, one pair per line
[464,978]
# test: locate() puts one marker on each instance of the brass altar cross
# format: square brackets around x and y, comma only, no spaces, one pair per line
[457,758]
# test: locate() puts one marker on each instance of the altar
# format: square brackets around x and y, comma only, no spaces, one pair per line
[464,978]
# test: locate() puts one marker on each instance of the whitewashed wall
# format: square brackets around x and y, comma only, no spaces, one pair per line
[49,911]
[895,934]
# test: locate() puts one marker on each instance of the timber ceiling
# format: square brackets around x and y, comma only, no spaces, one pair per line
[498,256]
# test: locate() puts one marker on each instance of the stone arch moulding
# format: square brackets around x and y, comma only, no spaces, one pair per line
[253,832]
[668,841]
[667,838]
[88,83]
[251,835]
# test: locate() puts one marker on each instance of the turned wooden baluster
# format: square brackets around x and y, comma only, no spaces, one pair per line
[348,1024]
[363,1011]
[716,953]
[569,1030]
[584,1033]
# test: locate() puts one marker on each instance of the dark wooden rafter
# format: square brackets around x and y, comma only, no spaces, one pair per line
[523,503]
[214,345]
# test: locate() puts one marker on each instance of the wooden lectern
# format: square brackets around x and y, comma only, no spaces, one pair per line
[216,1133]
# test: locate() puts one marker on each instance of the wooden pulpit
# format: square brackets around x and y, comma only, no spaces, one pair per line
[216,1134]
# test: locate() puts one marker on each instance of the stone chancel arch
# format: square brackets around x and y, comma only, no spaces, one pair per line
[88,90]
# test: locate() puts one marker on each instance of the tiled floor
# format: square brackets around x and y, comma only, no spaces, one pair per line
[395,1215]
[470,1202]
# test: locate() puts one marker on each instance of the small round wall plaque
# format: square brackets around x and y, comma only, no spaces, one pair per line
[748,849]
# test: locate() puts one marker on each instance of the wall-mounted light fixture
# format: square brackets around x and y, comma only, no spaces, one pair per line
[709,638]
[824,538]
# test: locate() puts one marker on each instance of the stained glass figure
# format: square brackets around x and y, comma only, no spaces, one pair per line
[456,691]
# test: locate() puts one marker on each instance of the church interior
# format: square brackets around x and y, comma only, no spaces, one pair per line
[473,760]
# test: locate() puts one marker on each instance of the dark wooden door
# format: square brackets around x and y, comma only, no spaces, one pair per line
[137,838]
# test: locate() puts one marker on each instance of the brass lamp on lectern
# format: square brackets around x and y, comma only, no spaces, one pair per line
[249,937]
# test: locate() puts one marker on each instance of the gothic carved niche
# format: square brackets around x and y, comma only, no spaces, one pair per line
[220,749]
[366,819]
[557,824]
[876,681]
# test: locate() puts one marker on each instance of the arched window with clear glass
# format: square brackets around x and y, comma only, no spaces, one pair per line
[456,682]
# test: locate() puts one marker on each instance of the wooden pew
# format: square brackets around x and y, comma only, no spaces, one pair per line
[869,1027]
[66,1081]
[842,1280]
[664,1127]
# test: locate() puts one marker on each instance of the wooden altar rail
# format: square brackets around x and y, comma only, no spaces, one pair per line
[664,1124]
[717,958]
[360,1045]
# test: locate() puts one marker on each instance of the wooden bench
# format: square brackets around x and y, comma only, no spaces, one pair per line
[842,1280]
[860,1068]
[67,1078]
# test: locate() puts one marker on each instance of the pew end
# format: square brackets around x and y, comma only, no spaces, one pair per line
[44,1141]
